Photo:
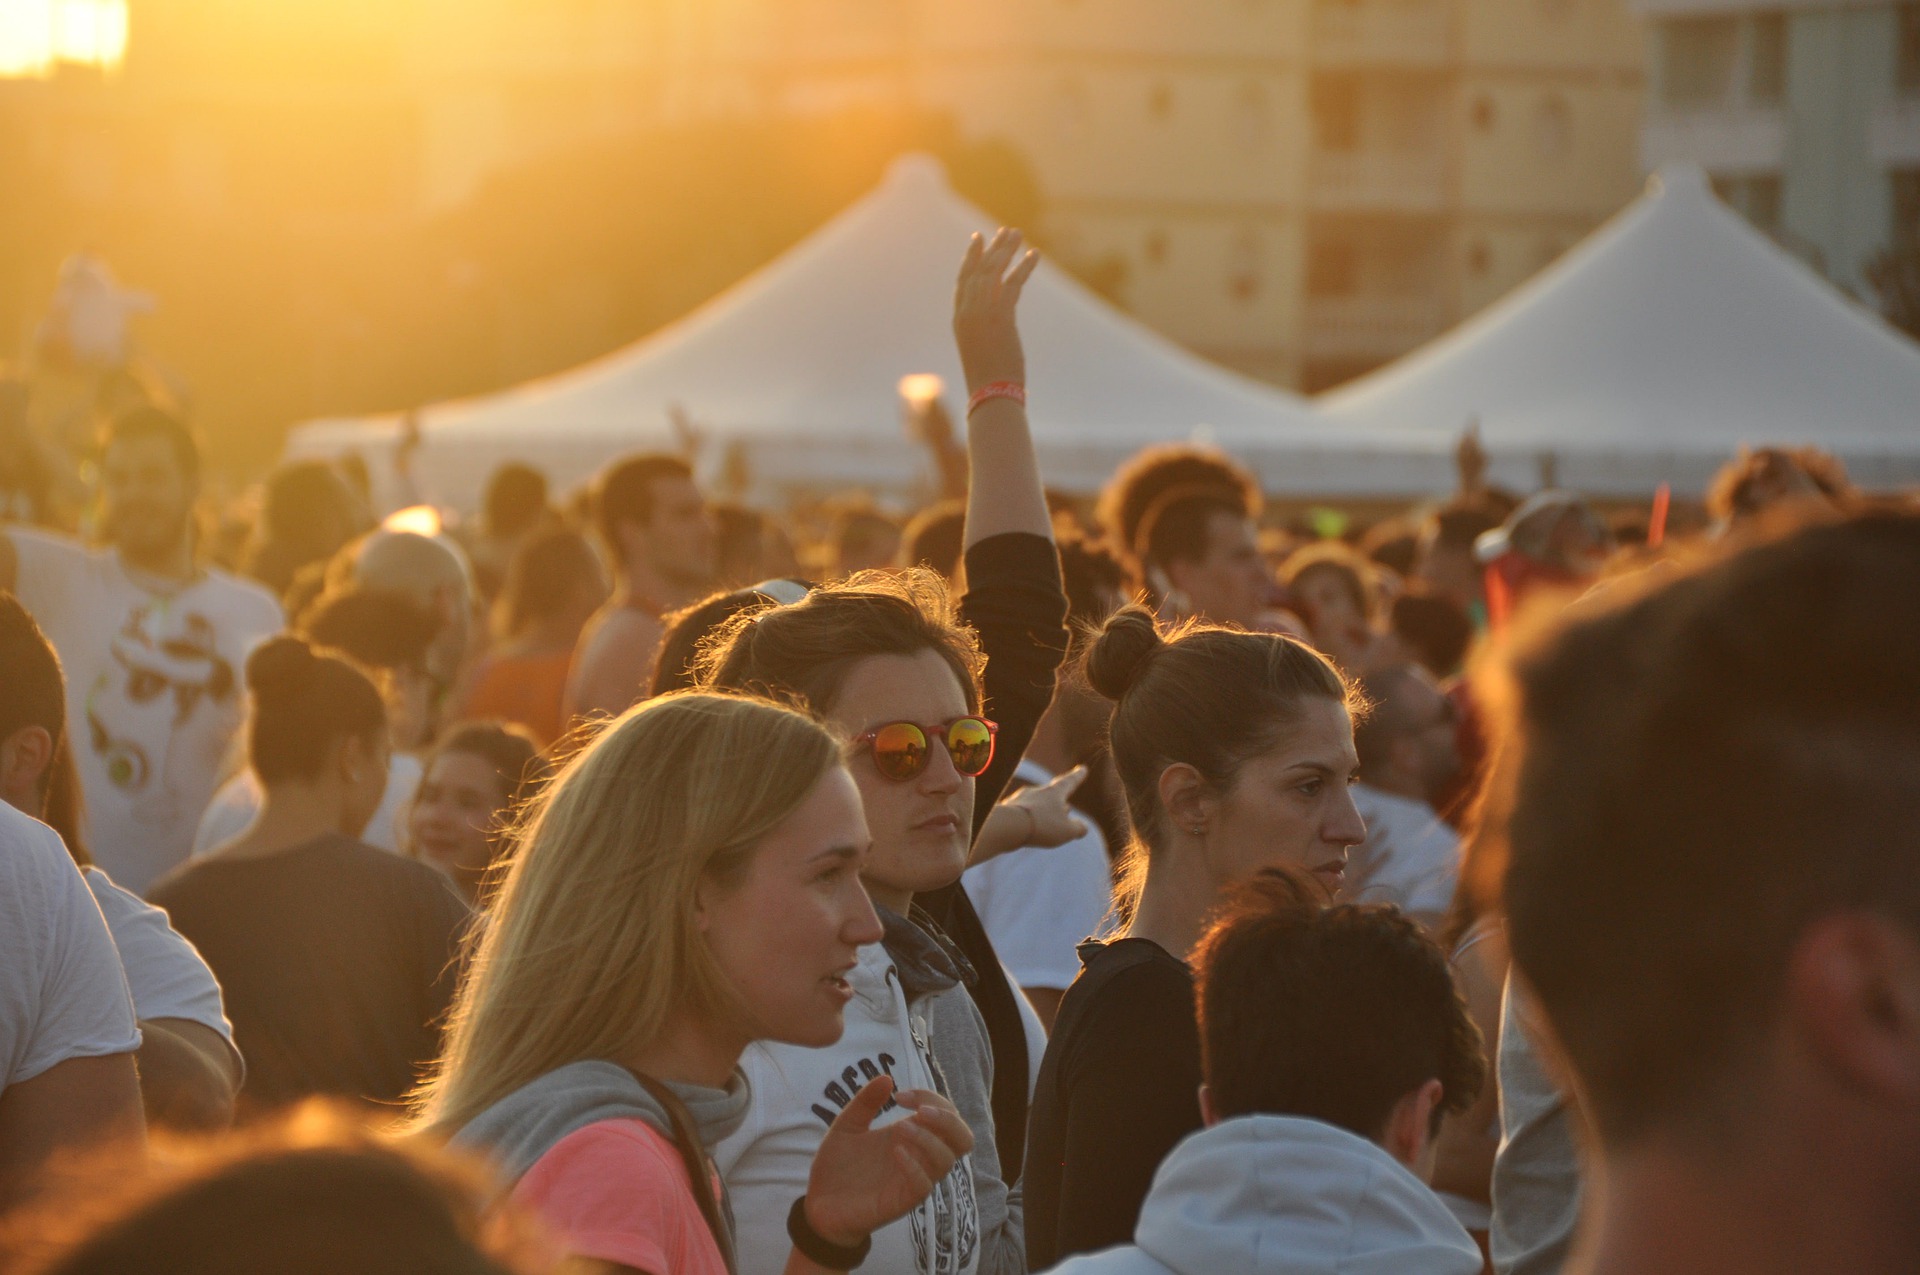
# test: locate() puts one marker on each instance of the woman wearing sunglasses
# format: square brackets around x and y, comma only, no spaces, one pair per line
[689,884]
[887,662]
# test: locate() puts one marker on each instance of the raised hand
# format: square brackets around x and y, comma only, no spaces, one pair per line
[984,300]
[1054,821]
[864,1178]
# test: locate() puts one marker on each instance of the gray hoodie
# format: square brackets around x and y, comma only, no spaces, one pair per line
[526,1124]
[1281,1195]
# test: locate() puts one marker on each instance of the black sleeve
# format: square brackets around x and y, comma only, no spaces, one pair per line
[1133,1091]
[1017,605]
[1015,602]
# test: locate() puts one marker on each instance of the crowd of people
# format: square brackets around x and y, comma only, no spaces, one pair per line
[625,881]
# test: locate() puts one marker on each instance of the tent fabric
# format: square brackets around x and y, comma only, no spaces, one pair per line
[799,366]
[1652,351]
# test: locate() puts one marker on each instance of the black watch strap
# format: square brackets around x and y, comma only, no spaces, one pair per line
[820,1252]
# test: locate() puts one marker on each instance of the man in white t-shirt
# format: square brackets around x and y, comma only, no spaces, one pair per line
[1408,755]
[67,1033]
[154,647]
[189,1069]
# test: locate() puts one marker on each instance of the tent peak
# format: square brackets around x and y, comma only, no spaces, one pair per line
[1681,177]
[916,170]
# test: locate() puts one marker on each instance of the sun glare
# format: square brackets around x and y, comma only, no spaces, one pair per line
[38,35]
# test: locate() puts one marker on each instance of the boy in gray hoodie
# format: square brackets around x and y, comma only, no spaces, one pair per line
[1332,1042]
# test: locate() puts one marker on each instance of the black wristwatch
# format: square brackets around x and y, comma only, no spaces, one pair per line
[821,1252]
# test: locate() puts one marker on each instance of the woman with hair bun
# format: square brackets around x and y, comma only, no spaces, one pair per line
[337,959]
[1235,751]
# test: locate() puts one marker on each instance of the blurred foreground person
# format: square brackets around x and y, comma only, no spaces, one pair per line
[1332,1043]
[337,959]
[189,1068]
[1236,752]
[659,539]
[1408,759]
[554,585]
[152,642]
[1714,891]
[689,885]
[476,781]
[311,1194]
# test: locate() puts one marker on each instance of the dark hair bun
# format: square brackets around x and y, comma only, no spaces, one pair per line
[281,667]
[1127,640]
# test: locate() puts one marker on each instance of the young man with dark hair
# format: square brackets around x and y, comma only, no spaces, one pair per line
[1198,554]
[1714,893]
[659,538]
[189,1069]
[153,643]
[1332,1042]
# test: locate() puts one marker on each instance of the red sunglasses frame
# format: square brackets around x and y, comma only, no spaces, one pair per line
[939,732]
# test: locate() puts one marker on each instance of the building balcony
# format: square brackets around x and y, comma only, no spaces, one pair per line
[1369,326]
[1731,139]
[1893,135]
[1380,33]
[1377,181]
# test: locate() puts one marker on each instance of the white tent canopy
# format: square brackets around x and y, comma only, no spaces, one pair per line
[1652,351]
[799,365]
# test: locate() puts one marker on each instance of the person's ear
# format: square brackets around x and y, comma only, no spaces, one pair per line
[1853,1000]
[1208,1116]
[1187,798]
[25,756]
[1409,1132]
[356,759]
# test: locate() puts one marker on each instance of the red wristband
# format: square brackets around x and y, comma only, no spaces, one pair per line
[998,389]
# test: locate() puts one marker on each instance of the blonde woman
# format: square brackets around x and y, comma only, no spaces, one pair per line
[689,884]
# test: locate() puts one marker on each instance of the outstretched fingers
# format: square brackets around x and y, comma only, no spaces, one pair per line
[938,1117]
[1021,273]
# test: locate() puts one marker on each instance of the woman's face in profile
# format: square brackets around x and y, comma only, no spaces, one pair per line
[1292,804]
[787,934]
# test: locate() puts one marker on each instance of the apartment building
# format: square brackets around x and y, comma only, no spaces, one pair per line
[1807,116]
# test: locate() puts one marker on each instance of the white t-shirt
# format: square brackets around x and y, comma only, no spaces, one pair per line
[62,994]
[1038,904]
[1411,858]
[156,682]
[238,801]
[166,974]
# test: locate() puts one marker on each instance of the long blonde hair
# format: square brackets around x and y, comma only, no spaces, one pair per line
[592,944]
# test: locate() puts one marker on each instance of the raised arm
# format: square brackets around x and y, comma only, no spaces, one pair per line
[1005,493]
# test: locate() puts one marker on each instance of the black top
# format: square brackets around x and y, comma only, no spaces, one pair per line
[337,961]
[1017,605]
[1119,1086]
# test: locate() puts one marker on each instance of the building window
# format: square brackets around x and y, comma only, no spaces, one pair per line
[1252,117]
[1767,59]
[1160,100]
[1553,127]
[1336,113]
[1697,61]
[1243,265]
[1754,196]
[1333,269]
[1483,114]
[1070,111]
[1479,258]
[1156,247]
[1906,64]
[1904,187]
